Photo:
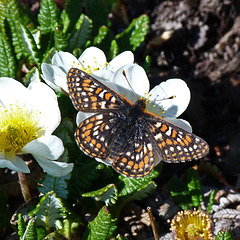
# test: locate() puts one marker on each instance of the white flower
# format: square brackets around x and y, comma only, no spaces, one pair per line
[92,60]
[168,100]
[28,116]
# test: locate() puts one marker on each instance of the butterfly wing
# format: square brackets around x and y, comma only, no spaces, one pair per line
[90,95]
[174,143]
[95,134]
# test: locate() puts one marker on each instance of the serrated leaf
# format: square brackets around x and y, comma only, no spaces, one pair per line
[16,16]
[81,33]
[224,235]
[132,185]
[30,232]
[32,76]
[60,39]
[194,187]
[211,201]
[56,184]
[114,49]
[102,227]
[134,35]
[108,194]
[7,60]
[30,45]
[48,211]
[48,16]
[21,225]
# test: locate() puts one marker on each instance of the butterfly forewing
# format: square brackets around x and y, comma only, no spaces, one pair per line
[94,135]
[176,144]
[90,95]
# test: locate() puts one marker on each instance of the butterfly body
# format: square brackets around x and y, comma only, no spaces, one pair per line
[125,135]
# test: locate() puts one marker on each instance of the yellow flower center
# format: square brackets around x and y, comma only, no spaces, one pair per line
[191,225]
[18,126]
[153,107]
[90,69]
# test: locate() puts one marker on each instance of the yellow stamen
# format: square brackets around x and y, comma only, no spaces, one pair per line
[90,69]
[18,126]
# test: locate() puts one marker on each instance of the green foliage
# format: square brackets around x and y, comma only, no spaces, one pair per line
[48,211]
[101,227]
[134,35]
[187,195]
[224,235]
[7,60]
[211,201]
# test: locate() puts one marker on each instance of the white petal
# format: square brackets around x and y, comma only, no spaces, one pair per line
[50,147]
[136,77]
[55,168]
[49,76]
[102,75]
[65,61]
[175,88]
[44,99]
[81,116]
[181,123]
[93,57]
[120,60]
[15,164]
[12,91]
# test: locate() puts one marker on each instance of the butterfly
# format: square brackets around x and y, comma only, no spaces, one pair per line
[126,135]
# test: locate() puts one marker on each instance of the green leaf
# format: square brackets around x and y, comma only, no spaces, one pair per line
[60,39]
[67,228]
[134,35]
[48,211]
[21,225]
[48,16]
[103,39]
[180,194]
[102,227]
[7,60]
[16,16]
[108,194]
[211,201]
[30,45]
[114,49]
[81,33]
[32,76]
[130,186]
[56,184]
[194,187]
[147,63]
[224,235]
[98,11]
[30,232]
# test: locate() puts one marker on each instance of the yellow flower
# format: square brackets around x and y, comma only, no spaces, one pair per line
[192,225]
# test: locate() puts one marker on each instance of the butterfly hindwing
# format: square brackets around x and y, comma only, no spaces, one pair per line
[176,144]
[90,95]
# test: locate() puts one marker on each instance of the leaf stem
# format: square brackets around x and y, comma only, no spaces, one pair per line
[24,186]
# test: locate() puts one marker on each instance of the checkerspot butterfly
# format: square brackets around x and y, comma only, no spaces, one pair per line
[124,134]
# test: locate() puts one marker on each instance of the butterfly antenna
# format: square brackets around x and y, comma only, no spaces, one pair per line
[124,74]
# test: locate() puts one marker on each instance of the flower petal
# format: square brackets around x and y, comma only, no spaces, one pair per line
[15,164]
[49,147]
[55,168]
[65,61]
[175,88]
[12,90]
[81,116]
[120,60]
[136,77]
[93,57]
[47,106]
[180,123]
